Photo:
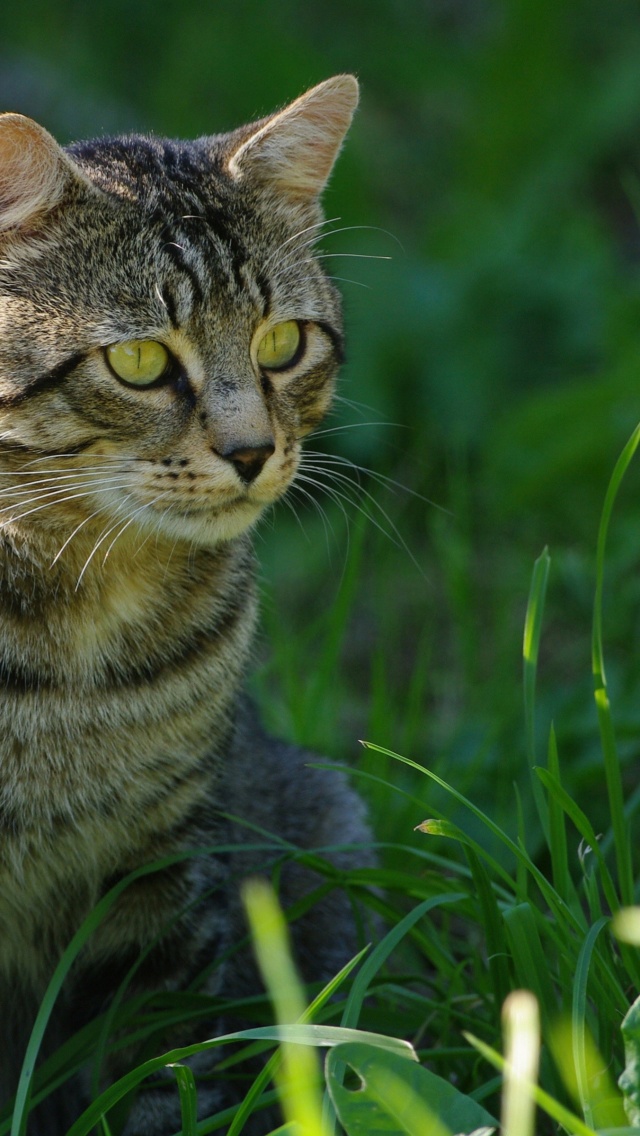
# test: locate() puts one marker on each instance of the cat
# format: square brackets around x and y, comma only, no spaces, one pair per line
[167,339]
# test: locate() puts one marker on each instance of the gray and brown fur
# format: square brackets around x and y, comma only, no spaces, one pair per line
[127,596]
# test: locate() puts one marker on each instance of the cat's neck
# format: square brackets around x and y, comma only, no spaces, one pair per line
[99,609]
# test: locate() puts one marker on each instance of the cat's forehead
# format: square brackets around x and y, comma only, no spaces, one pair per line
[157,172]
[172,203]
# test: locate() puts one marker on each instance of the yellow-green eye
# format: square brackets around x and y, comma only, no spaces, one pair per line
[138,361]
[279,347]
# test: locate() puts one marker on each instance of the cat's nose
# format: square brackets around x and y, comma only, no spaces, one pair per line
[249,460]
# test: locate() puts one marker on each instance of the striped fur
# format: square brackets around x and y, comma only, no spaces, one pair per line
[127,598]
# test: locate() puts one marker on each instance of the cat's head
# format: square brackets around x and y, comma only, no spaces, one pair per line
[167,336]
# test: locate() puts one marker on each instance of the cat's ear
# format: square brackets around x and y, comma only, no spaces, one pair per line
[295,149]
[34,171]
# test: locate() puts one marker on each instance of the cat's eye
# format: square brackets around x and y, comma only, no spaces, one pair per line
[280,347]
[139,362]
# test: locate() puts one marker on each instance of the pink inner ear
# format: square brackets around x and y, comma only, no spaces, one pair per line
[33,170]
[296,149]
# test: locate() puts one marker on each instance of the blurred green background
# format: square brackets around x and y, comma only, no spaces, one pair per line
[494,360]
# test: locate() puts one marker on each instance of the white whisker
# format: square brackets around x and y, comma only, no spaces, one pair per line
[70,538]
[96,546]
[352,255]
[56,482]
[300,233]
[355,426]
[60,501]
[322,512]
[381,478]
[348,280]
[132,518]
[389,528]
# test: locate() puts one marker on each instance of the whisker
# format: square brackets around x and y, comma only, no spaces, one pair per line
[56,490]
[96,546]
[391,532]
[353,255]
[70,538]
[381,478]
[300,233]
[322,512]
[360,407]
[286,501]
[292,264]
[48,504]
[348,280]
[354,426]
[72,456]
[330,233]
[132,518]
[56,478]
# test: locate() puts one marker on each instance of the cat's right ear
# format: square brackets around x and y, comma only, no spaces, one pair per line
[34,171]
[295,150]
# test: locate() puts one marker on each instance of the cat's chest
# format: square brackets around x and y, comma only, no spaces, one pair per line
[112,701]
[86,792]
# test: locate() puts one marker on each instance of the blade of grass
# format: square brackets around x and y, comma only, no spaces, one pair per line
[605,720]
[521,863]
[589,1078]
[578,1020]
[584,827]
[553,1108]
[531,961]
[297,1075]
[23,1094]
[315,1035]
[522,1049]
[562,880]
[383,949]
[555,902]
[188,1098]
[267,1073]
[530,650]
[493,924]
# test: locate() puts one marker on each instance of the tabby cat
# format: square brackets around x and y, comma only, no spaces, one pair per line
[167,338]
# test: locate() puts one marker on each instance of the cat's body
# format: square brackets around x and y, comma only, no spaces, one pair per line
[166,339]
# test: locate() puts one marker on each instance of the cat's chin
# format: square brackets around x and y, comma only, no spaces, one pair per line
[207,528]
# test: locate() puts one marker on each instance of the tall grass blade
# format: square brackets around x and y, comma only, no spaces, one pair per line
[561,875]
[555,902]
[531,961]
[297,1076]
[266,1074]
[522,1049]
[605,720]
[383,949]
[585,828]
[606,1104]
[584,1081]
[563,1116]
[493,924]
[314,1035]
[530,650]
[188,1099]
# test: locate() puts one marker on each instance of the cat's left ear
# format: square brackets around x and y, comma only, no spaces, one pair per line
[35,172]
[295,150]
